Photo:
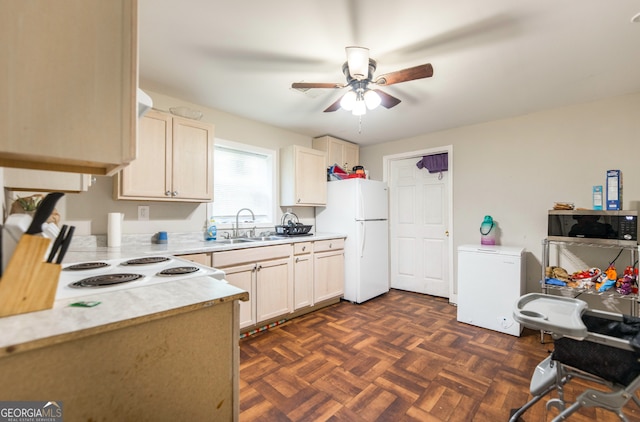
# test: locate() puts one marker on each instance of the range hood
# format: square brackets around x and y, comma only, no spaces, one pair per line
[144,102]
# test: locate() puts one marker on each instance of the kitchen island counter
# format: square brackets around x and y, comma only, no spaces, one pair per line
[158,352]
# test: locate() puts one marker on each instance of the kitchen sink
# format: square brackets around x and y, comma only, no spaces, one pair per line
[266,238]
[233,241]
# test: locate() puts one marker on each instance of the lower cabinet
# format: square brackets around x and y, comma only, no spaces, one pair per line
[303,275]
[283,279]
[328,269]
[266,273]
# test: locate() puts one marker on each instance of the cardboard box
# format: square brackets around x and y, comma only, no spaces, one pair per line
[598,197]
[614,190]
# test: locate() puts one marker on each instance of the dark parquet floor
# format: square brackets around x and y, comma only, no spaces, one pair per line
[399,357]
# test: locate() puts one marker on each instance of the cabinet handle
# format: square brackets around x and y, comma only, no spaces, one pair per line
[297,259]
[330,245]
[167,193]
[174,193]
[299,200]
[304,248]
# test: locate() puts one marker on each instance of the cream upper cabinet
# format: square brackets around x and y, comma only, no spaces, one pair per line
[303,177]
[175,161]
[68,80]
[343,153]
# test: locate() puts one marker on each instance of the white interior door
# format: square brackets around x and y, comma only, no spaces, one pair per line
[418,222]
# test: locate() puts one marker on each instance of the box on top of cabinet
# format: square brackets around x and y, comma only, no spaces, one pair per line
[614,190]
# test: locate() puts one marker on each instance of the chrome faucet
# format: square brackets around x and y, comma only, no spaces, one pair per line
[235,229]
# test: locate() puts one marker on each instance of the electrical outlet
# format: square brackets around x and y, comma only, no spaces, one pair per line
[143,212]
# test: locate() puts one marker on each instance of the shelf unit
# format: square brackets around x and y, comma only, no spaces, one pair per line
[575,292]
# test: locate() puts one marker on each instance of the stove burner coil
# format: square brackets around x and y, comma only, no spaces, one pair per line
[106,280]
[86,266]
[146,260]
[178,271]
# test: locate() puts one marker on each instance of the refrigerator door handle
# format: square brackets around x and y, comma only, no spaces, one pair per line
[362,238]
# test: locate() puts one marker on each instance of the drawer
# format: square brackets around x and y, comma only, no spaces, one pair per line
[302,248]
[328,245]
[240,256]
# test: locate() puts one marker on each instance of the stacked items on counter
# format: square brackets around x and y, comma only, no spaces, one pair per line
[595,279]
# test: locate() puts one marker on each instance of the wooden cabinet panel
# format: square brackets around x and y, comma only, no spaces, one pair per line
[266,273]
[45,181]
[192,152]
[340,152]
[328,245]
[175,161]
[303,281]
[68,81]
[149,175]
[242,276]
[303,177]
[328,275]
[199,258]
[272,289]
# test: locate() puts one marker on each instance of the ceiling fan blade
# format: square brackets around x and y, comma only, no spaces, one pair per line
[388,101]
[410,74]
[309,85]
[335,106]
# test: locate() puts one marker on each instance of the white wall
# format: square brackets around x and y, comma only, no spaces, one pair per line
[515,169]
[88,210]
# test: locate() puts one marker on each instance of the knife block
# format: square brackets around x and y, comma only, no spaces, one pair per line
[29,283]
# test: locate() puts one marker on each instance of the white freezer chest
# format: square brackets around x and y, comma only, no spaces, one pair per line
[490,281]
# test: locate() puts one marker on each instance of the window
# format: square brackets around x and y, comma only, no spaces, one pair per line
[244,177]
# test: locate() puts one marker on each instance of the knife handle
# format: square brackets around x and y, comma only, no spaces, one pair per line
[57,243]
[65,244]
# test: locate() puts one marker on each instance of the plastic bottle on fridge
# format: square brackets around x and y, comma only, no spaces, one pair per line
[487,231]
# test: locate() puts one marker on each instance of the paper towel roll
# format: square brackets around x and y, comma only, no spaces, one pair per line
[114,229]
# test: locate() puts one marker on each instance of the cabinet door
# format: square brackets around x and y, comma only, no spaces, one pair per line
[242,276]
[68,81]
[334,153]
[273,283]
[303,281]
[311,179]
[328,275]
[350,155]
[192,164]
[149,175]
[303,177]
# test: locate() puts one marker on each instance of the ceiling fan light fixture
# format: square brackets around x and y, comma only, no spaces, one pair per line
[358,62]
[348,101]
[372,99]
[359,108]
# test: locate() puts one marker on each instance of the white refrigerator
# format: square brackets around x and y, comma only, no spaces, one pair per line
[359,209]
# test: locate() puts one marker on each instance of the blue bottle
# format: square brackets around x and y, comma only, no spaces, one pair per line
[212,231]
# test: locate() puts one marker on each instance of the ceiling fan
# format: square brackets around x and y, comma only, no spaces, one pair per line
[359,70]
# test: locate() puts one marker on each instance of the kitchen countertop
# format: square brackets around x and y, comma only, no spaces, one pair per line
[177,245]
[128,307]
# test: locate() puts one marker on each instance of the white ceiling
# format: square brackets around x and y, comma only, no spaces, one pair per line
[492,58]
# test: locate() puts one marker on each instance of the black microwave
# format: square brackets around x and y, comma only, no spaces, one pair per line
[590,226]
